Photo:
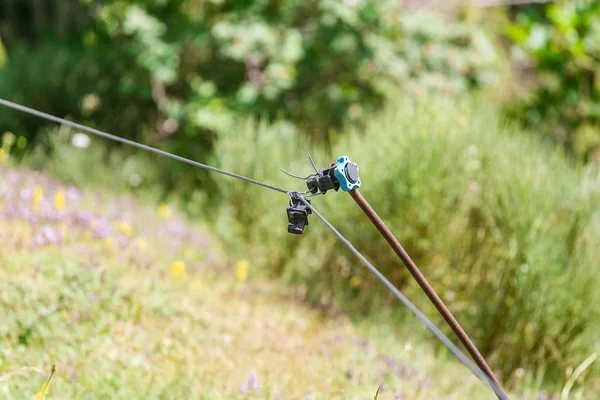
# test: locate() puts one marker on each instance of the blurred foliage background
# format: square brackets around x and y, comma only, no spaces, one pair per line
[476,129]
[562,43]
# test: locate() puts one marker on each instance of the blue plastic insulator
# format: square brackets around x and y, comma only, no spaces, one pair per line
[347,174]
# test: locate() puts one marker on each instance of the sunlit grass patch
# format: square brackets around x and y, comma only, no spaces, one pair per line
[115,333]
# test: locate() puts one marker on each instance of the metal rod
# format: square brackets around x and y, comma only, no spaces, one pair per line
[313,164]
[429,291]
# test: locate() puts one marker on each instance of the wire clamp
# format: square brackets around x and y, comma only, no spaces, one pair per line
[324,180]
[297,214]
[342,173]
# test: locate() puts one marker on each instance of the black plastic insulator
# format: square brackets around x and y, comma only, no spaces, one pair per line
[298,228]
[297,215]
[324,181]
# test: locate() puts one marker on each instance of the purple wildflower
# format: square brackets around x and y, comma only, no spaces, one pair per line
[48,235]
[251,383]
[73,194]
[84,218]
[10,212]
[53,215]
[26,194]
[123,242]
[102,230]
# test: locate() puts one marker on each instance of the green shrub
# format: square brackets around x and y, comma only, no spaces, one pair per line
[502,226]
[175,73]
[317,63]
[563,42]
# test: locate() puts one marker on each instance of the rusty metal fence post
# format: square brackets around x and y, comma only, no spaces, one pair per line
[429,291]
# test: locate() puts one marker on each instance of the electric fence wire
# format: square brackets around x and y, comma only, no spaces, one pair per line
[97,132]
[440,335]
[443,338]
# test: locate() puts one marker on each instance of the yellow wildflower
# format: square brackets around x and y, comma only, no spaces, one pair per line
[124,228]
[109,242]
[59,200]
[241,271]
[40,395]
[38,192]
[355,281]
[178,269]
[164,211]
[3,156]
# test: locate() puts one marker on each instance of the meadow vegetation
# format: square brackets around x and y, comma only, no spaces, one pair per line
[505,227]
[477,141]
[132,301]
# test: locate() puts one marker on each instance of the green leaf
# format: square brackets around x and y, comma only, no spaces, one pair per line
[518,34]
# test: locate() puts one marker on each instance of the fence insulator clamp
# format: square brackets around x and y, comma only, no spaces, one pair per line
[297,214]
[342,173]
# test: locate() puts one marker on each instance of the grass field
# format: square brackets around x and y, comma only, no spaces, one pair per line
[131,301]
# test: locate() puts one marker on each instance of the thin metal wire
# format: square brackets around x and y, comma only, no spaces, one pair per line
[97,132]
[443,338]
[296,176]
[313,164]
[312,195]
[398,294]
